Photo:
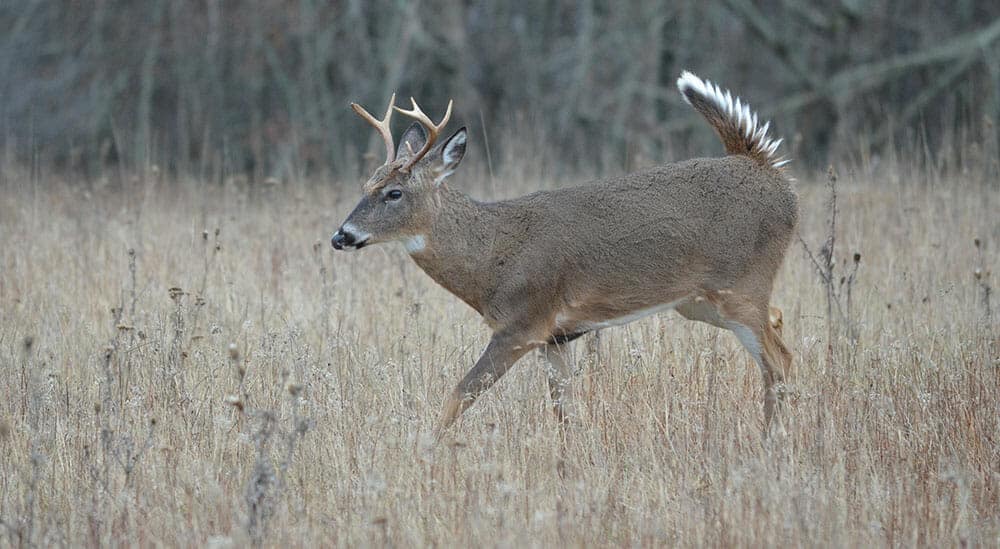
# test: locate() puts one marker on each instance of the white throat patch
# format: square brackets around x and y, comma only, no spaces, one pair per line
[414,244]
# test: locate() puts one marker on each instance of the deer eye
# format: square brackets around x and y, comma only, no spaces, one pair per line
[394,194]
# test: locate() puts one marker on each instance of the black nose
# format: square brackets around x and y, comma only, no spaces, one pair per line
[341,239]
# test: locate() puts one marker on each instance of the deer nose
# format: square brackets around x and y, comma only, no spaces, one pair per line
[341,239]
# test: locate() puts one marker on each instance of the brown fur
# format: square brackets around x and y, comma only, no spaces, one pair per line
[641,239]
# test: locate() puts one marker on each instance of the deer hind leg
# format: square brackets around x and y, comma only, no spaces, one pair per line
[560,373]
[776,319]
[752,324]
[776,344]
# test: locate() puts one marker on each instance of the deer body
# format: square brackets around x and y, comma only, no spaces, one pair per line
[705,237]
[606,250]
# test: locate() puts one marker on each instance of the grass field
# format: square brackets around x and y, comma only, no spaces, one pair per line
[192,365]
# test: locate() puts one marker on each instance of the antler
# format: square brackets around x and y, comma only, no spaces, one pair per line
[432,130]
[382,126]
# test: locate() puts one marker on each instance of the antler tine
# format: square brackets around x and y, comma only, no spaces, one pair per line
[382,126]
[432,129]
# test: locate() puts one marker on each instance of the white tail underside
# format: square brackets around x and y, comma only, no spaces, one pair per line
[737,111]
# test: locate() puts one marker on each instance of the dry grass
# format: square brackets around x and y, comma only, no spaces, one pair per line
[281,393]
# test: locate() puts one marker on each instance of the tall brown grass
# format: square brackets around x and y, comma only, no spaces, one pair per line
[190,365]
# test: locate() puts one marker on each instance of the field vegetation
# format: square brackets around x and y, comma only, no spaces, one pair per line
[187,363]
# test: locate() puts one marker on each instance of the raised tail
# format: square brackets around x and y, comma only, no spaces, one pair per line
[735,123]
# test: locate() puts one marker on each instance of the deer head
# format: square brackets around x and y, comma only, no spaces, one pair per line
[397,201]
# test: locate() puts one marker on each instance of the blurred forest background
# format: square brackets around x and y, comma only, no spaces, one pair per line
[210,87]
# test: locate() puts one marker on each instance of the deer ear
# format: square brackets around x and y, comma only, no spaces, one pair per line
[413,138]
[451,155]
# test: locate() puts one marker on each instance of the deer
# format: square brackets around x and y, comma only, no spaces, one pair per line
[704,237]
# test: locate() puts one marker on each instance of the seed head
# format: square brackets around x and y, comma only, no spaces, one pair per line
[977,243]
[294,389]
[235,402]
[857,257]
[234,351]
[28,342]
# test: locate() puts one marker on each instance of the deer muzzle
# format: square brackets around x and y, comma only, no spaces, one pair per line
[346,239]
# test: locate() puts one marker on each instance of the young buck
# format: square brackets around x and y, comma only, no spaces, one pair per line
[704,237]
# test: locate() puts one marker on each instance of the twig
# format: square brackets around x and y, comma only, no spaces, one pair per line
[825,265]
[982,276]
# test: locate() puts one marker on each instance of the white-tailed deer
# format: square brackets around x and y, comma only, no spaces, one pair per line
[704,237]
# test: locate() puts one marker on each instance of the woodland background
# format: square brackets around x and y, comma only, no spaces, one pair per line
[262,88]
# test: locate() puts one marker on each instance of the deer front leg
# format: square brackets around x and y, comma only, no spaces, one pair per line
[502,352]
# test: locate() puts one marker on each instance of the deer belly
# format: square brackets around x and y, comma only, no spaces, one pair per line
[576,320]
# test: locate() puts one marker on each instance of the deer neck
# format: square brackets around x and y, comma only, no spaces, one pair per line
[456,250]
